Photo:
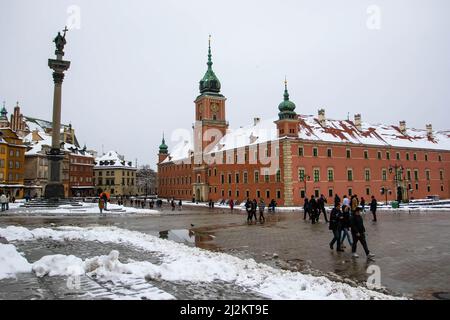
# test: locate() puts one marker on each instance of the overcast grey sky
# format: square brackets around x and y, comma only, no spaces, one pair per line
[136,64]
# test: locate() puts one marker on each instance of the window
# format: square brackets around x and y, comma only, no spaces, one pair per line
[367,175]
[330,175]
[300,151]
[379,155]
[316,193]
[426,157]
[429,188]
[229,178]
[316,175]
[416,175]
[366,154]
[329,153]
[17,164]
[315,152]
[439,158]
[415,156]
[237,193]
[229,193]
[349,174]
[441,174]
[442,188]
[198,178]
[408,175]
[417,186]
[349,153]
[302,194]
[222,178]
[268,194]
[17,153]
[222,193]
[301,174]
[350,192]
[245,177]
[407,156]
[397,155]
[237,177]
[247,194]
[330,193]
[278,194]
[11,154]
[258,193]
[11,164]
[266,176]
[388,155]
[427,175]
[256,176]
[278,177]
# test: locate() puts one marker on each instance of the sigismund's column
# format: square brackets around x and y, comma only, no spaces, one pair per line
[55,187]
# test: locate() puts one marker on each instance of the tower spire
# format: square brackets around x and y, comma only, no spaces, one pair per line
[286,93]
[210,63]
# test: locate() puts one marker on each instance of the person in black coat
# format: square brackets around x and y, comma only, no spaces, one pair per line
[345,226]
[248,208]
[359,233]
[335,226]
[306,209]
[373,208]
[314,209]
[321,204]
[337,200]
[254,207]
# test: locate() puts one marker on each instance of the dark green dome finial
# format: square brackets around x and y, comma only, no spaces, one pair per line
[3,112]
[286,107]
[210,84]
[163,148]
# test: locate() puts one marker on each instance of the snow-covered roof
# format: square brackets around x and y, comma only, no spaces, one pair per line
[112,159]
[337,131]
[36,147]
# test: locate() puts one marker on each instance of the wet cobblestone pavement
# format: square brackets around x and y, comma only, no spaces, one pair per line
[412,251]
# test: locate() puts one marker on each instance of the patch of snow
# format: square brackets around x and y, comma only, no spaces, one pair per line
[182,263]
[12,262]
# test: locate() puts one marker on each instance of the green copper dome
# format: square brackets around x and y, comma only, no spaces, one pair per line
[3,112]
[286,107]
[210,83]
[163,148]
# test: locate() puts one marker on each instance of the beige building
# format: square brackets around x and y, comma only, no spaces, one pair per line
[115,175]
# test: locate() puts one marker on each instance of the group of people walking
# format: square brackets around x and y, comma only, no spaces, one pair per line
[346,219]
[251,206]
[5,200]
[314,207]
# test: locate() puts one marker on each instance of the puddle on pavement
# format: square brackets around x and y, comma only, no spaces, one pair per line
[189,237]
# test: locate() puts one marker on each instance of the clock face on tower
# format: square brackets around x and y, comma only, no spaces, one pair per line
[214,107]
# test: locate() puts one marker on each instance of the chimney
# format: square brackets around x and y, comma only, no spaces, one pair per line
[430,131]
[322,117]
[358,121]
[402,126]
[256,121]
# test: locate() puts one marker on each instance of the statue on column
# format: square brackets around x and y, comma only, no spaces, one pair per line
[60,42]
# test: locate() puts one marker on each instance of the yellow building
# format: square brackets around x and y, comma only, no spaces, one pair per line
[115,175]
[12,163]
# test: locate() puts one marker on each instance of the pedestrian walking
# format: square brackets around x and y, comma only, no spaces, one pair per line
[231,204]
[359,234]
[321,204]
[373,208]
[314,209]
[345,226]
[101,205]
[3,201]
[180,205]
[354,203]
[262,206]
[362,204]
[345,201]
[172,204]
[248,208]
[254,208]
[337,200]
[306,209]
[334,226]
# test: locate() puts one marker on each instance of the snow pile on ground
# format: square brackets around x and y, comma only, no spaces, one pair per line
[182,263]
[58,265]
[11,262]
[85,208]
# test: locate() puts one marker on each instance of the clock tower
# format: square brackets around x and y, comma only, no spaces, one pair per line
[209,108]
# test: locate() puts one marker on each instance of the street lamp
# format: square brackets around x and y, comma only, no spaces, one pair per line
[306,178]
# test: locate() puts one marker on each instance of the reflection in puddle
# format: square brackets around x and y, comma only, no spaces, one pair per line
[187,236]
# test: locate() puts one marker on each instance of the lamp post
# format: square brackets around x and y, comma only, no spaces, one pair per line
[306,178]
